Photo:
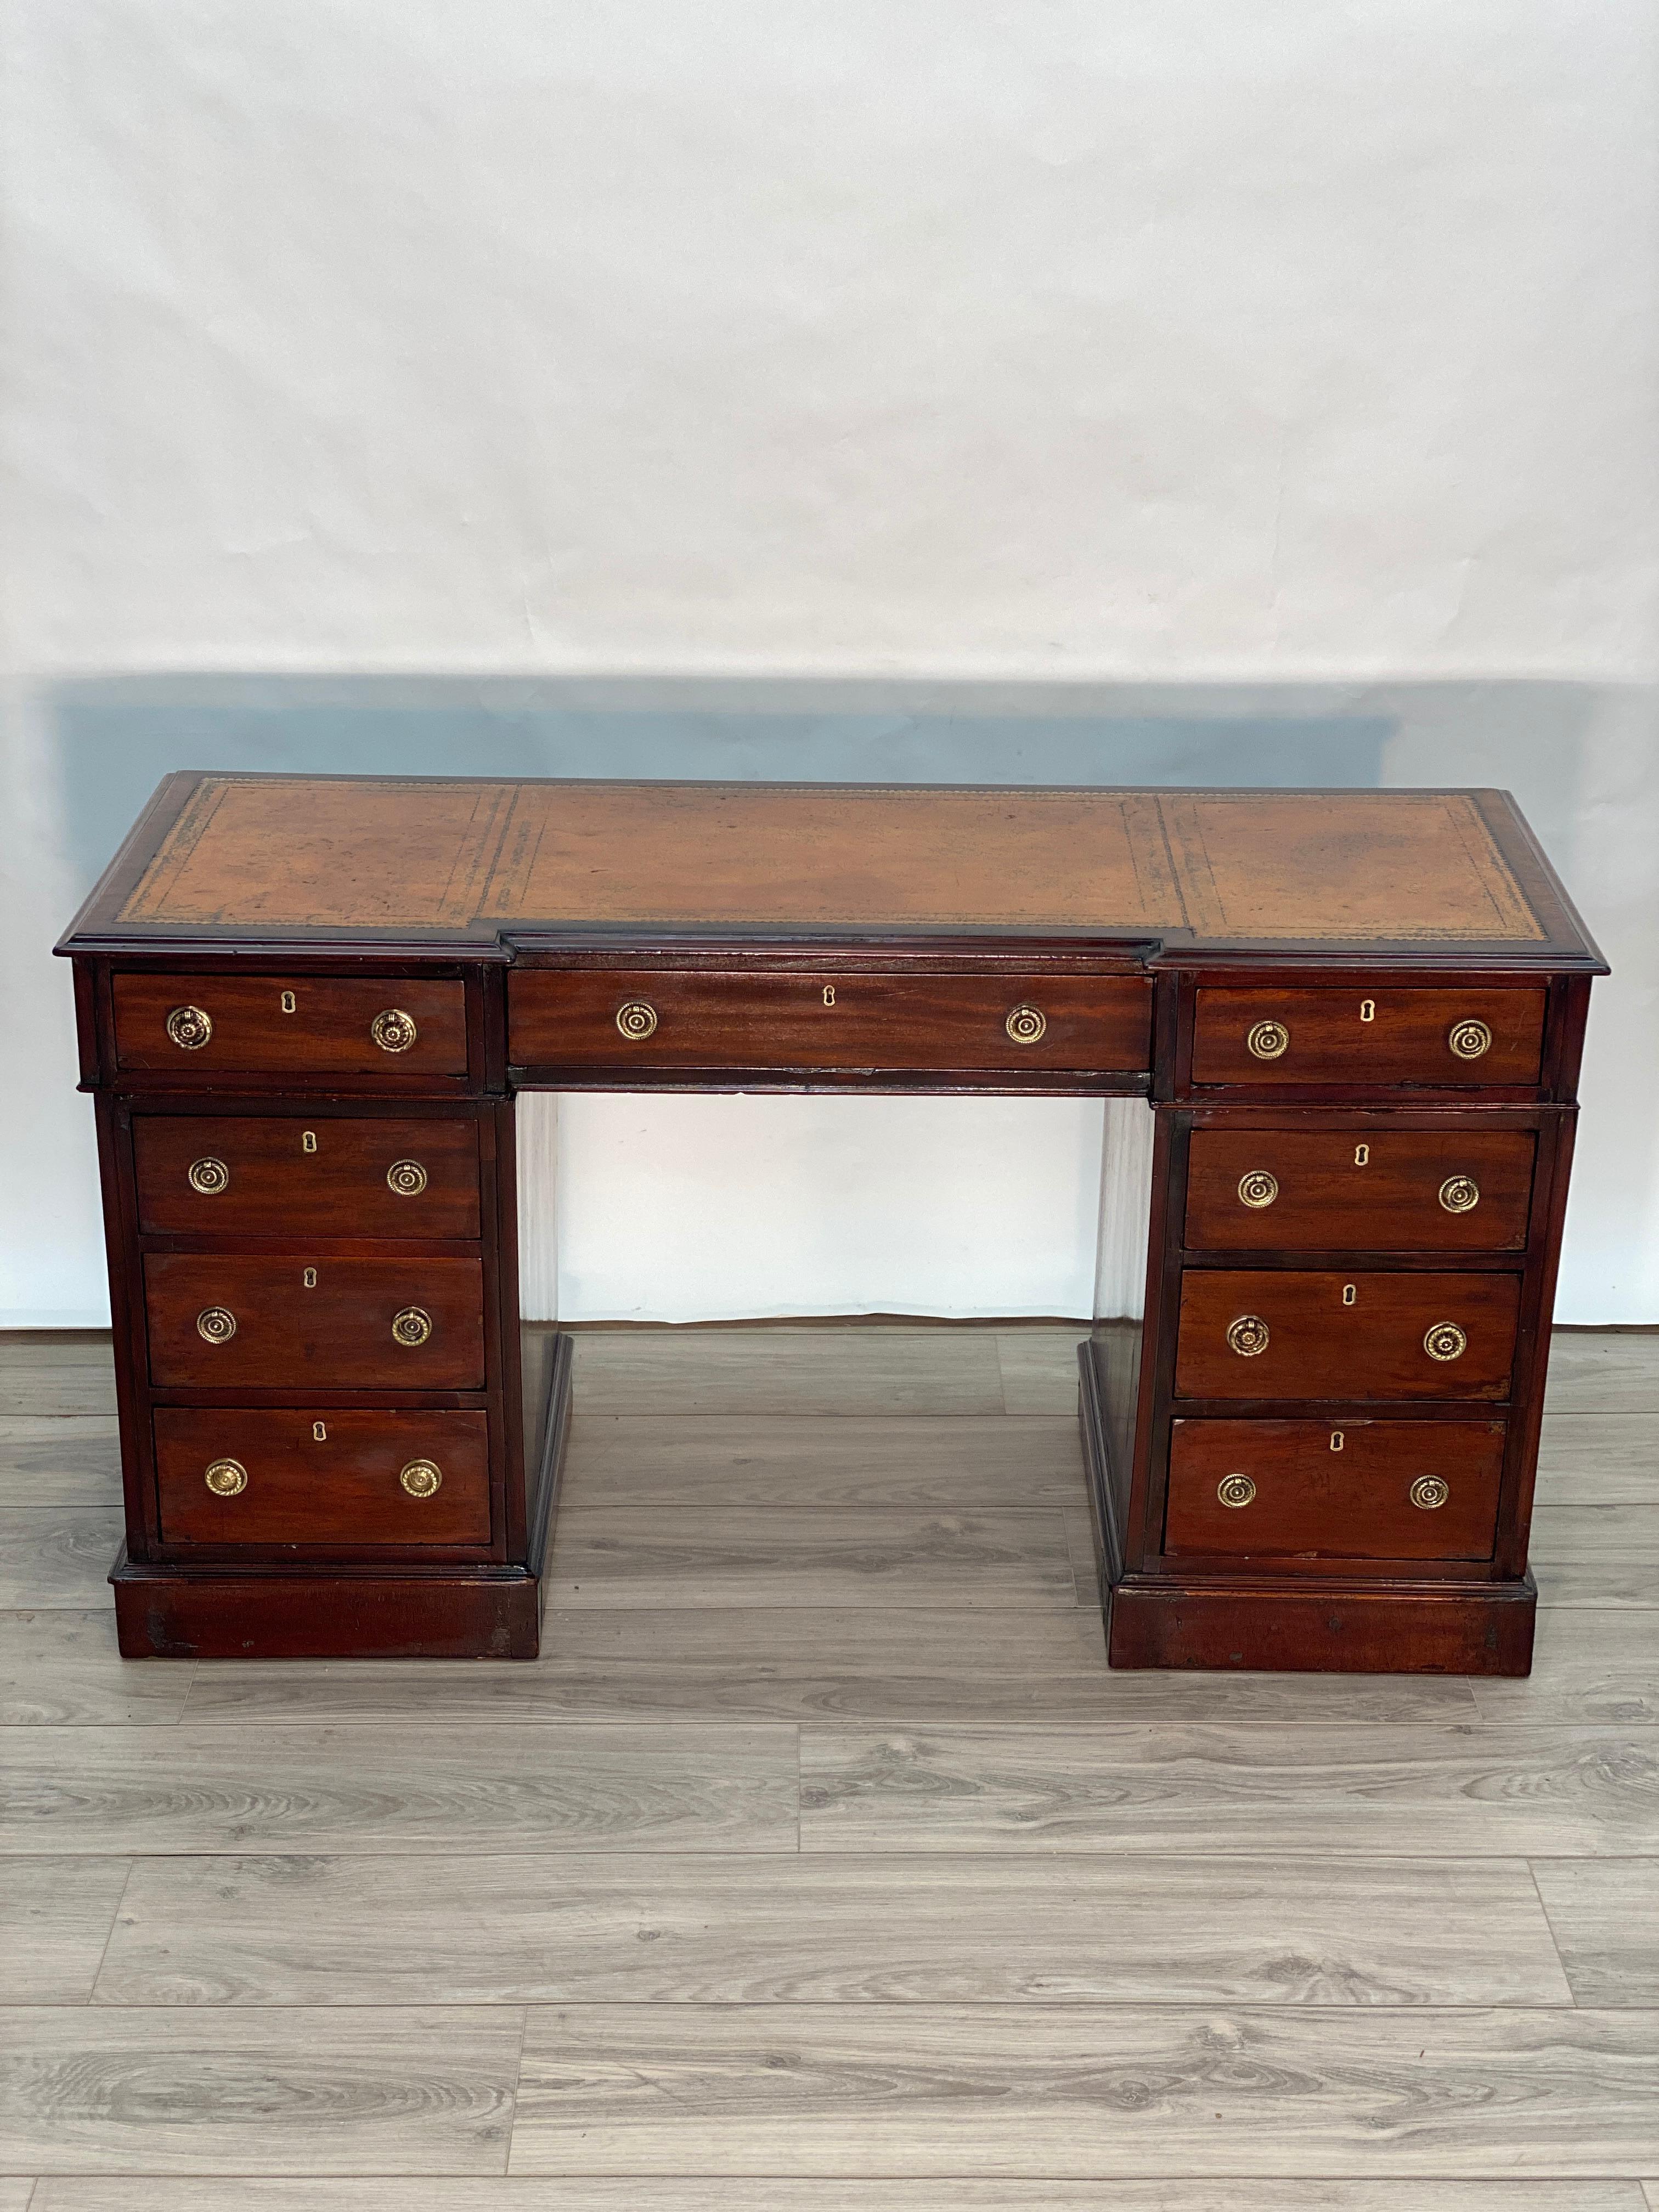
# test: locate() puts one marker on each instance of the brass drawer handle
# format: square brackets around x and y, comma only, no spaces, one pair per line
[1026,1024]
[209,1175]
[392,1030]
[422,1477]
[636,1020]
[1258,1188]
[1430,1492]
[1248,1335]
[216,1325]
[1468,1040]
[1268,1040]
[226,1478]
[1234,1490]
[190,1027]
[1460,1194]
[1445,1340]
[411,1327]
[406,1177]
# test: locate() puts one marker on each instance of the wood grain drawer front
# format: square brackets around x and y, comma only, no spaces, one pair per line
[827,1020]
[1369,1489]
[220,1322]
[297,1025]
[236,1475]
[262,1176]
[1295,1336]
[1436,1040]
[1372,1190]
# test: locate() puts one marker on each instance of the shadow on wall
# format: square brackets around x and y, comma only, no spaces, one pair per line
[116,738]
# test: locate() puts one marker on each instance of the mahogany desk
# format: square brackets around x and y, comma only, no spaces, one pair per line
[305,1005]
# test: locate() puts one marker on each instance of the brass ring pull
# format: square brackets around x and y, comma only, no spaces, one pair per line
[1248,1335]
[226,1478]
[1460,1194]
[209,1175]
[411,1327]
[1268,1040]
[1445,1340]
[1026,1024]
[1234,1490]
[406,1177]
[1468,1040]
[392,1030]
[1430,1492]
[190,1027]
[216,1325]
[422,1477]
[1258,1188]
[636,1020]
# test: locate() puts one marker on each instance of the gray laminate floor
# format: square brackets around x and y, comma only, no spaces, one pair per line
[820,1864]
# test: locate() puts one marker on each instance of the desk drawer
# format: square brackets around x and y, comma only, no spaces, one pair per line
[291,1024]
[240,1475]
[827,1019]
[1369,1189]
[262,1176]
[1371,1490]
[1436,1040]
[221,1322]
[1294,1335]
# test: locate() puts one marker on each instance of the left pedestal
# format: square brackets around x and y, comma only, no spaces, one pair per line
[327,1413]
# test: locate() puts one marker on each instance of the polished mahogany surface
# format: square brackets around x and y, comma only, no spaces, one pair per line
[1355,1489]
[306,1005]
[1387,1189]
[252,1175]
[1356,1334]
[322,1475]
[829,1019]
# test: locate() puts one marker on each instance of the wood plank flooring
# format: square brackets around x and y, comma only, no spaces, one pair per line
[821,1864]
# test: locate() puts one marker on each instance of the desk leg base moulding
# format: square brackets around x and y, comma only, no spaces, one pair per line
[345,1612]
[1339,1627]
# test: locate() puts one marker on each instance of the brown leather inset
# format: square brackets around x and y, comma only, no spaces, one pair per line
[252,853]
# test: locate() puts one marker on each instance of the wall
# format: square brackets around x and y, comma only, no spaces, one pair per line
[1160,393]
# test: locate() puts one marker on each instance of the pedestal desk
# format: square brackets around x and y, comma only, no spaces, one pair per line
[305,1005]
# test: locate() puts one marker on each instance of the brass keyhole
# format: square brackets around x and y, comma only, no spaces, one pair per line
[320,1432]
[309,1278]
[1362,1156]
[1336,1439]
[288,1002]
[829,994]
[1368,1009]
[308,1140]
[1350,1294]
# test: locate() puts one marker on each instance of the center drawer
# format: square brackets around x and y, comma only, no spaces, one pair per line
[1367,1189]
[1374,1490]
[827,1019]
[1291,1334]
[223,1320]
[248,1175]
[321,1475]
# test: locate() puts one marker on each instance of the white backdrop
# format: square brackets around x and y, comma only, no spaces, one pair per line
[905,348]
